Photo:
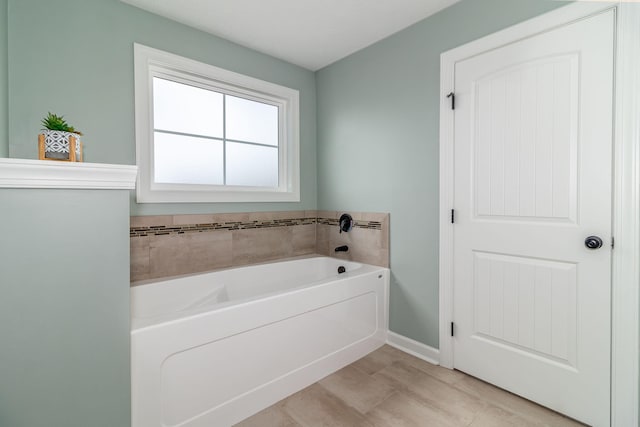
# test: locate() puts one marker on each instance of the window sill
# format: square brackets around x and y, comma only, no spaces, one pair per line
[216,196]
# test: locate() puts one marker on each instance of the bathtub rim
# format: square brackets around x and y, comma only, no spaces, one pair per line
[142,324]
[155,280]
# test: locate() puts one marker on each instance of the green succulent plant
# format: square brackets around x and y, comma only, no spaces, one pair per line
[55,122]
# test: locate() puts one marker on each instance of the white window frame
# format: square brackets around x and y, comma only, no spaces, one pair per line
[150,63]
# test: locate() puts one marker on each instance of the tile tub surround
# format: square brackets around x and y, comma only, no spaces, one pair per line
[368,241]
[170,245]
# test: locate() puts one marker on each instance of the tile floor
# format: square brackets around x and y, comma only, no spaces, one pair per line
[390,388]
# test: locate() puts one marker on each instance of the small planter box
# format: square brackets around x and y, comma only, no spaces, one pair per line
[58,145]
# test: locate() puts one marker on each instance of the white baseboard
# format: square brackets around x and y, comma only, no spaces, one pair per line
[414,348]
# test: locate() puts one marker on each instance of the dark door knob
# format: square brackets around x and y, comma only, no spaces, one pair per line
[593,242]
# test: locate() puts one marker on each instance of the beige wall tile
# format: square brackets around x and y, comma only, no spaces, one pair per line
[189,253]
[269,216]
[192,219]
[210,218]
[139,255]
[310,214]
[328,214]
[385,233]
[367,216]
[375,216]
[260,216]
[150,221]
[382,258]
[367,238]
[322,247]
[288,214]
[303,239]
[323,231]
[357,216]
[365,245]
[231,217]
[322,239]
[335,236]
[261,244]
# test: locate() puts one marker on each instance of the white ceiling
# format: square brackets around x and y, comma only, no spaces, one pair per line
[309,33]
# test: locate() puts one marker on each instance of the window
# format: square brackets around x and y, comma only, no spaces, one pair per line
[204,134]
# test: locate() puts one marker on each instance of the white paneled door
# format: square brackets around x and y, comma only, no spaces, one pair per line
[533,178]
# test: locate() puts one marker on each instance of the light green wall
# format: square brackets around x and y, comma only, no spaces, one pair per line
[75,57]
[64,308]
[377,114]
[4,101]
[378,143]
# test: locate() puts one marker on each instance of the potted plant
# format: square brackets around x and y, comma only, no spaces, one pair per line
[59,140]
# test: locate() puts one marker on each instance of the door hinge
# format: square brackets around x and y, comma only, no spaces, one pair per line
[452,328]
[613,242]
[453,100]
[453,216]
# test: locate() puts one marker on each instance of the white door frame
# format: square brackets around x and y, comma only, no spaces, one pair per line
[626,204]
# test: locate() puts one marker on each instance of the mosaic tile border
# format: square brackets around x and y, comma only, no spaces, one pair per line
[370,225]
[161,230]
[165,230]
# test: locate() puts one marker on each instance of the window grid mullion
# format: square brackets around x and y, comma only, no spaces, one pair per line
[214,138]
[224,139]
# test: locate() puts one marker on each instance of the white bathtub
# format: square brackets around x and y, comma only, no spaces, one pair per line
[214,348]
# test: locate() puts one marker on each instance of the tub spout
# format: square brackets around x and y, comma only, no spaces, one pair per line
[344,248]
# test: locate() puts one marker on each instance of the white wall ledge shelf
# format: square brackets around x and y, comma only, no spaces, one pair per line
[25,173]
